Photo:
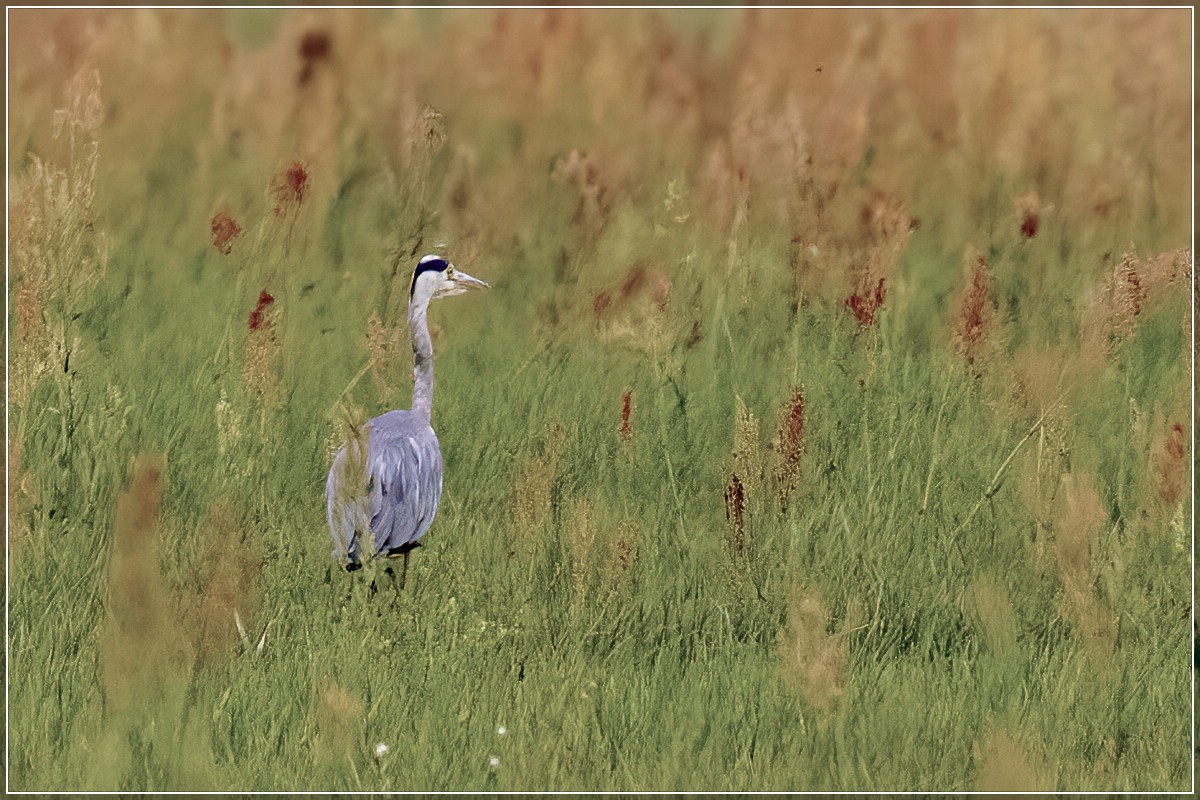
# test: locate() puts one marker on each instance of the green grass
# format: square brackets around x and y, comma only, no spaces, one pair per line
[646,657]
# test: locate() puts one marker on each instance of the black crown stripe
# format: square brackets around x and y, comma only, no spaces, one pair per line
[430,265]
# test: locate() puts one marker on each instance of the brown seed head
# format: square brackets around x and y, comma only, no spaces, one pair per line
[224,230]
[1169,464]
[789,446]
[976,315]
[865,301]
[1028,210]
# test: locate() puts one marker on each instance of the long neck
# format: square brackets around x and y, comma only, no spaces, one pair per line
[422,345]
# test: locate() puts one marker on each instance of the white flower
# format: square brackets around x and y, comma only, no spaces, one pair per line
[501,730]
[381,750]
[494,762]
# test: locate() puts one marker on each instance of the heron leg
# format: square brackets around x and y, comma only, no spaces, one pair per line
[402,553]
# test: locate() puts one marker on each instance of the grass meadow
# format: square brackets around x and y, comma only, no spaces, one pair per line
[827,426]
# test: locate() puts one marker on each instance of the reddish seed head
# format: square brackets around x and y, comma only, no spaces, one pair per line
[290,187]
[626,410]
[1172,466]
[315,45]
[735,509]
[256,316]
[633,280]
[790,446]
[601,303]
[224,231]
[297,181]
[1177,444]
[1029,226]
[792,435]
[1029,208]
[865,302]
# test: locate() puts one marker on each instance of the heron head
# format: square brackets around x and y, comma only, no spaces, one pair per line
[436,277]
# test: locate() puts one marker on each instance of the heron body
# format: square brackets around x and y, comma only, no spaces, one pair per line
[382,501]
[404,486]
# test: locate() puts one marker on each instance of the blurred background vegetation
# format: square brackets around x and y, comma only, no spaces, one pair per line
[827,426]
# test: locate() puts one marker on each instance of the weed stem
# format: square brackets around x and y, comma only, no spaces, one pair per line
[998,478]
[933,450]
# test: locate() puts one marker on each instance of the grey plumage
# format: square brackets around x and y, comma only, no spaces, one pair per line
[404,486]
[384,500]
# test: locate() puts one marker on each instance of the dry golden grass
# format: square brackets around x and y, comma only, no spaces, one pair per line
[622,555]
[1115,307]
[1006,767]
[749,460]
[262,356]
[1078,525]
[636,312]
[226,588]
[143,644]
[745,485]
[389,355]
[814,658]
[57,254]
[602,550]
[534,487]
[337,716]
[581,525]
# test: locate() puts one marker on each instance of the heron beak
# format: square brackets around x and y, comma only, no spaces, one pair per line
[468,282]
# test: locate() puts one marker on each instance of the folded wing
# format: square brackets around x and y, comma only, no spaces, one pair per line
[396,496]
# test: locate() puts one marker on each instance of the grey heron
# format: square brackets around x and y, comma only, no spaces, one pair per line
[381,502]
